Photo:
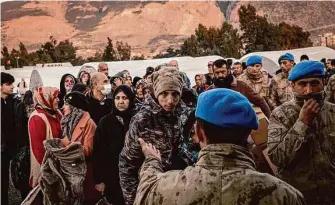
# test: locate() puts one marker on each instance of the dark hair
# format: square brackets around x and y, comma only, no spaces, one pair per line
[304,57]
[28,98]
[219,63]
[332,62]
[217,135]
[237,63]
[197,75]
[129,93]
[7,78]
[323,60]
[89,77]
[244,65]
[229,62]
[79,88]
[189,97]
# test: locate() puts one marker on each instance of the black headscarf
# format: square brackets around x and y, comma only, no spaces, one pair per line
[62,89]
[127,114]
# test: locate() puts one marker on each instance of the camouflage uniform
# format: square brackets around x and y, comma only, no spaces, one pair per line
[258,84]
[330,90]
[305,155]
[280,90]
[224,174]
[163,130]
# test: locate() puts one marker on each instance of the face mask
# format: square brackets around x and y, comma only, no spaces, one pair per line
[318,97]
[107,89]
[224,82]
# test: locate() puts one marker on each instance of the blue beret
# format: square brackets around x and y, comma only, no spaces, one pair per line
[306,69]
[286,56]
[252,60]
[226,108]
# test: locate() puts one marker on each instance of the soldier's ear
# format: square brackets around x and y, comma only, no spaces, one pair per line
[199,132]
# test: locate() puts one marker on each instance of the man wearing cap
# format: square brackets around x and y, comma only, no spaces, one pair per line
[223,78]
[225,171]
[160,122]
[210,75]
[302,136]
[254,77]
[280,87]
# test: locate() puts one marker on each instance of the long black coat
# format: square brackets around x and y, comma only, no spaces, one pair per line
[108,144]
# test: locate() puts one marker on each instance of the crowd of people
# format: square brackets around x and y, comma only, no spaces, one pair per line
[102,139]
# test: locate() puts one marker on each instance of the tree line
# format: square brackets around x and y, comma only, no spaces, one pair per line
[256,34]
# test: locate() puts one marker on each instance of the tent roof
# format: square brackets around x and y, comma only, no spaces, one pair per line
[52,76]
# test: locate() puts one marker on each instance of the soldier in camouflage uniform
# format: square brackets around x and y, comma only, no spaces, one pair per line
[254,77]
[160,122]
[302,136]
[330,90]
[225,172]
[280,87]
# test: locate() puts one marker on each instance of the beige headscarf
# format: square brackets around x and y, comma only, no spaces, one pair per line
[166,79]
[45,96]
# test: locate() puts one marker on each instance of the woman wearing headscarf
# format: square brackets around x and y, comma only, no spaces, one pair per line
[139,98]
[77,126]
[108,143]
[84,78]
[66,84]
[44,123]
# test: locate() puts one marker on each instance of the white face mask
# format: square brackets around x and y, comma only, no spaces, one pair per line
[107,89]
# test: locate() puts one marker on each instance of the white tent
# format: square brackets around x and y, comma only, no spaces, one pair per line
[51,76]
[191,66]
[270,58]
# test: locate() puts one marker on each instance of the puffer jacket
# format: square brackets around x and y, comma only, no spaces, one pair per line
[164,130]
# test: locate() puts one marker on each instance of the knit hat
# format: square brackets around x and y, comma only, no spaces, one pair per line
[307,69]
[286,56]
[135,80]
[226,108]
[252,60]
[149,71]
[166,79]
[77,99]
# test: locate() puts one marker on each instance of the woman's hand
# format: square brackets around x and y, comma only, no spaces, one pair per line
[65,141]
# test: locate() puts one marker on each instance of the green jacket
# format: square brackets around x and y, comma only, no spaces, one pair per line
[305,155]
[224,174]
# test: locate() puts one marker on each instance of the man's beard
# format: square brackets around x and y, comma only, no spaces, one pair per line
[318,97]
[224,82]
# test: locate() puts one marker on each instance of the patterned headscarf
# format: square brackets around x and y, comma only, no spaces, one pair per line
[45,96]
[69,122]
